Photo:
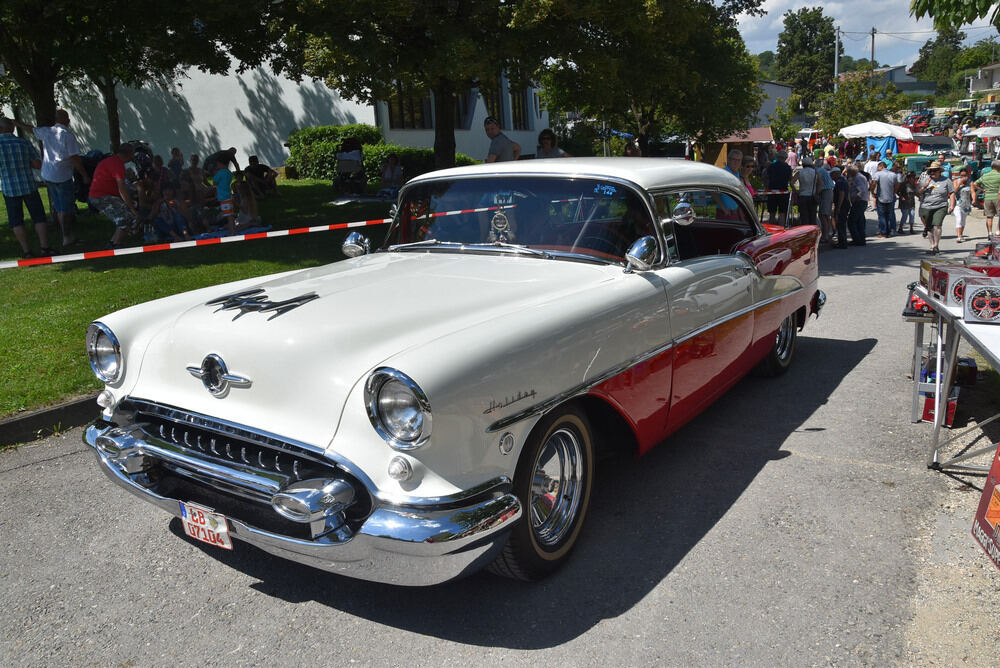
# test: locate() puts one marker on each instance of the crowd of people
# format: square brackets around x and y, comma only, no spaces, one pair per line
[172,202]
[153,201]
[833,185]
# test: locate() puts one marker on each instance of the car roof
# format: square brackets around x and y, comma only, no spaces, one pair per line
[647,173]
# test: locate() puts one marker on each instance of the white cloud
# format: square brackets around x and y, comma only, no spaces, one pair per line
[886,16]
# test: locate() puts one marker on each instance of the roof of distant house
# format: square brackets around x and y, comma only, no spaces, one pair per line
[756,135]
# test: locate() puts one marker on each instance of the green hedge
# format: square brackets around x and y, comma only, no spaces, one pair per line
[313,152]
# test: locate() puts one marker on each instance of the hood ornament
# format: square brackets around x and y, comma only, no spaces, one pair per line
[256,300]
[216,377]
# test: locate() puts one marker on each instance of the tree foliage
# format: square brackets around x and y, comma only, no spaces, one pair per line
[858,100]
[378,49]
[805,52]
[849,64]
[768,65]
[955,13]
[650,67]
[116,41]
[983,52]
[936,60]
[782,124]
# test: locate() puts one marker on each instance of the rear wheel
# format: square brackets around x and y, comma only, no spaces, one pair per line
[553,481]
[780,357]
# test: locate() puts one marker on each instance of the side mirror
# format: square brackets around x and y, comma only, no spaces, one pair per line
[356,244]
[683,214]
[641,254]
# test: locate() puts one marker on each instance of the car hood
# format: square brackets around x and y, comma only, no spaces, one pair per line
[302,363]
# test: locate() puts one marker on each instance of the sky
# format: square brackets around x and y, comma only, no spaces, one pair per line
[858,16]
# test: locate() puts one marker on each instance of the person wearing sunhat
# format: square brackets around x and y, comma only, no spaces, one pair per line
[937,199]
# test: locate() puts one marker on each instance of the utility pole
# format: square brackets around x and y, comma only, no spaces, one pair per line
[836,59]
[873,56]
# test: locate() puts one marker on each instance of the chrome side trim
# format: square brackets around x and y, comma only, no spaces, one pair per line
[583,388]
[737,314]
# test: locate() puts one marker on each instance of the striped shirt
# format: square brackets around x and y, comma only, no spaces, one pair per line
[16,177]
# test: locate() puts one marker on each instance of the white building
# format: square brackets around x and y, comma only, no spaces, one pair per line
[257,110]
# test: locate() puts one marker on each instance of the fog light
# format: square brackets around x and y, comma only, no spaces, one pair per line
[400,469]
[105,399]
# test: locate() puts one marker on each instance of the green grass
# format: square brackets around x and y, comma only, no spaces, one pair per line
[45,310]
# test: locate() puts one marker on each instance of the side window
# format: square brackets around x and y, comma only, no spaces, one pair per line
[721,223]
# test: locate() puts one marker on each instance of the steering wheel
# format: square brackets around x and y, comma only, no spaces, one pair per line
[610,241]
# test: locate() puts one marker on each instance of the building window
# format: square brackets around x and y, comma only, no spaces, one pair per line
[408,111]
[465,104]
[519,110]
[494,107]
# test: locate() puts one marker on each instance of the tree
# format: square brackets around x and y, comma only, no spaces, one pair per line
[857,100]
[806,51]
[981,53]
[936,58]
[42,44]
[955,13]
[155,46]
[849,64]
[405,50]
[768,65]
[651,67]
[782,125]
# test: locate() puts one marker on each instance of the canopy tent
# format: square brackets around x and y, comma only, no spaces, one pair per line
[882,136]
[875,129]
[988,131]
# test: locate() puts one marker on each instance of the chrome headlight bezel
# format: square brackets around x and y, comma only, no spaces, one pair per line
[95,333]
[378,380]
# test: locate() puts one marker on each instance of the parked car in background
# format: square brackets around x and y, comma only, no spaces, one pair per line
[413,414]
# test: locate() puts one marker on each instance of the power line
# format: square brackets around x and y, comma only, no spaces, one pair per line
[912,32]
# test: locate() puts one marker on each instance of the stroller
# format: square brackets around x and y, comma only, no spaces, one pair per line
[351,166]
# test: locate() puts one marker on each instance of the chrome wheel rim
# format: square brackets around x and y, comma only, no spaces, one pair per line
[556,487]
[785,338]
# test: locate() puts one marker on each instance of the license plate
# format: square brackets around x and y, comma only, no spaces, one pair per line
[206,526]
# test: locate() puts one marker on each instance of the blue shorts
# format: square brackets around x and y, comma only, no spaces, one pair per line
[63,196]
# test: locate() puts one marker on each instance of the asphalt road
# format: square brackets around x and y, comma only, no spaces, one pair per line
[793,523]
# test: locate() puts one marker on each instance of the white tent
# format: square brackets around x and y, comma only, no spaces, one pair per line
[875,129]
[988,131]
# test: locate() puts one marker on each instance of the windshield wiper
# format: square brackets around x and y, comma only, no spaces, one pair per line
[517,248]
[425,242]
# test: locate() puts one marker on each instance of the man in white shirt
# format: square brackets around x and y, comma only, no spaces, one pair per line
[60,156]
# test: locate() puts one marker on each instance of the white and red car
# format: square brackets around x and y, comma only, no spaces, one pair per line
[413,414]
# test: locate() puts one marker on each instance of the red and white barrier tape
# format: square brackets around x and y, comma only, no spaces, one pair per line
[152,248]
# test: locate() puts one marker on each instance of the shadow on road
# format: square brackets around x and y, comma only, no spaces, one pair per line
[647,514]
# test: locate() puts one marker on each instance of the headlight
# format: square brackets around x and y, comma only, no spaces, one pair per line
[398,409]
[104,352]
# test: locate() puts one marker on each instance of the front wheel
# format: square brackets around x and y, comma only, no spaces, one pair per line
[553,481]
[780,357]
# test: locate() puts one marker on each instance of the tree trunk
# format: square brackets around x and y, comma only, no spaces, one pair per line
[444,125]
[108,89]
[43,100]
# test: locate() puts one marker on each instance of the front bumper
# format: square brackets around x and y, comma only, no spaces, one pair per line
[401,545]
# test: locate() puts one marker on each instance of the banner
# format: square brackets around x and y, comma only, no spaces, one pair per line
[986,526]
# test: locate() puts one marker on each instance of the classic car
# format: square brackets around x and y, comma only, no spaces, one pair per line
[435,406]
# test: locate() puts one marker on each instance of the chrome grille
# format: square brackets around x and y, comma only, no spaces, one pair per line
[262,463]
[220,447]
[282,467]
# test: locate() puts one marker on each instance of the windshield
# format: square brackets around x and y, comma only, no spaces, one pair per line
[592,217]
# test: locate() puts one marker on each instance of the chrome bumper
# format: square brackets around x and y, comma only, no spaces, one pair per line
[399,545]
